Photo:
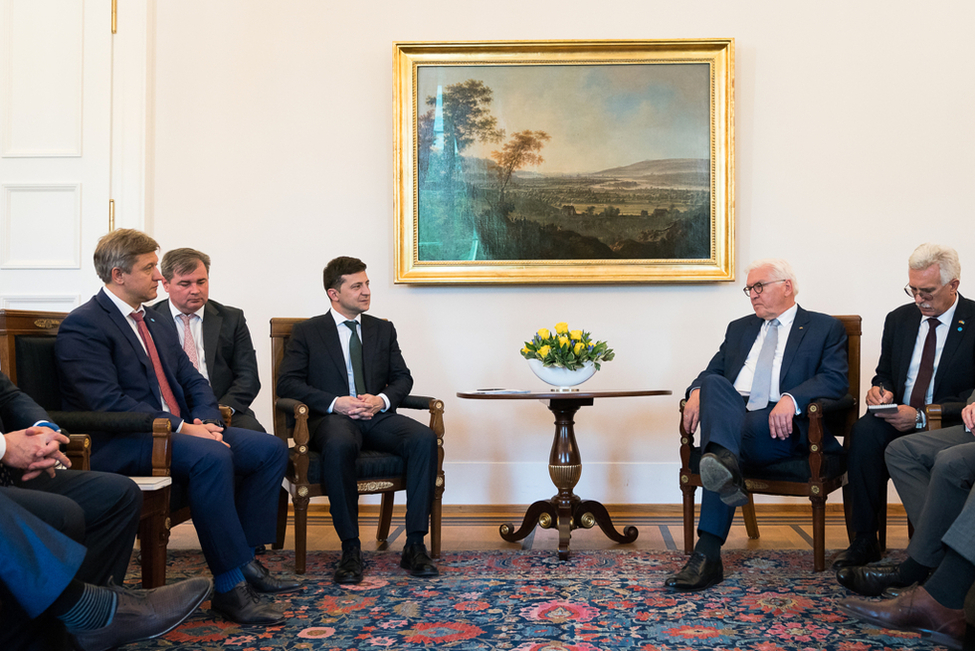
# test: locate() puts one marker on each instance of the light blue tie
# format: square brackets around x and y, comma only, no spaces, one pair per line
[762,382]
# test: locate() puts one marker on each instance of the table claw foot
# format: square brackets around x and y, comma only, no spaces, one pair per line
[592,513]
[541,513]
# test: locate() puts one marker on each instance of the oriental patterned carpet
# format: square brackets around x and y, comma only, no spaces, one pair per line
[530,601]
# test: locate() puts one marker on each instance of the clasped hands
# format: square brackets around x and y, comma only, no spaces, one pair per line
[35,450]
[203,430]
[361,407]
[779,419]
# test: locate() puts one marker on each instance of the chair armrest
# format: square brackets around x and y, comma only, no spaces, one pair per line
[288,405]
[939,414]
[111,422]
[416,402]
[686,442]
[434,406]
[78,450]
[298,453]
[829,406]
[114,422]
[227,414]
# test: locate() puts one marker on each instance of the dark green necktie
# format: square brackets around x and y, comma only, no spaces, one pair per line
[355,355]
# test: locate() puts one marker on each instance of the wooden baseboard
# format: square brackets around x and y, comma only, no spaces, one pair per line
[512,512]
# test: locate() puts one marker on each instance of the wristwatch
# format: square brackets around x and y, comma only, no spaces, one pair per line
[919,419]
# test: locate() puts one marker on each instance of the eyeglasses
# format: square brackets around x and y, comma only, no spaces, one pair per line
[759,287]
[925,294]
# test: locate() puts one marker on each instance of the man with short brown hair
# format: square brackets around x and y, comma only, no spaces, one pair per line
[214,336]
[353,387]
[114,355]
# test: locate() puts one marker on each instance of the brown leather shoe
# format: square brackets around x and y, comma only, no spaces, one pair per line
[914,610]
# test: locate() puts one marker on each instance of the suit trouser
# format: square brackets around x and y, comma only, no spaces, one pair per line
[339,439]
[866,472]
[43,536]
[745,434]
[233,491]
[934,473]
[246,421]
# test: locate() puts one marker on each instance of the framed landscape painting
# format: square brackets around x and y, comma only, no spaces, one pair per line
[564,161]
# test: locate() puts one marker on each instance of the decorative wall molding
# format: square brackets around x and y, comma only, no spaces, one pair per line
[46,302]
[29,214]
[42,89]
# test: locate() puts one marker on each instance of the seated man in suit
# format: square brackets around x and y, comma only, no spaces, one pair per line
[64,533]
[214,336]
[750,399]
[113,355]
[43,600]
[353,387]
[922,361]
[936,608]
[934,473]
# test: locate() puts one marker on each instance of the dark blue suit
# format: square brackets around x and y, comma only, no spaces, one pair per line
[813,366]
[232,491]
[53,529]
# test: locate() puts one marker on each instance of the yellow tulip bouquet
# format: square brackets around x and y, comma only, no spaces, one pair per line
[569,349]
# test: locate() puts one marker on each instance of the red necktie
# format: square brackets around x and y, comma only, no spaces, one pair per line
[926,370]
[164,389]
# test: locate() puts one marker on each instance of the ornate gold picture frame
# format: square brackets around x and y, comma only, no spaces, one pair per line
[550,162]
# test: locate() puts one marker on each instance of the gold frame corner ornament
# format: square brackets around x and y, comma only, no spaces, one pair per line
[409,57]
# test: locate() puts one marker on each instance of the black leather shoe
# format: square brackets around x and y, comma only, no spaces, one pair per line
[720,473]
[145,614]
[698,574]
[261,580]
[862,551]
[244,606]
[349,569]
[415,560]
[870,580]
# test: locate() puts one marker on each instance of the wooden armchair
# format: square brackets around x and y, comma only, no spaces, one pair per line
[27,357]
[815,476]
[377,472]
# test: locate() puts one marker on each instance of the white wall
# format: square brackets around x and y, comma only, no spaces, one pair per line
[273,153]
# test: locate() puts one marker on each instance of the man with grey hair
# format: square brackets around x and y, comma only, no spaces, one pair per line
[927,355]
[214,336]
[750,401]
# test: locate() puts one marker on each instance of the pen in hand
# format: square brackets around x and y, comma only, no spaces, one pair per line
[880,387]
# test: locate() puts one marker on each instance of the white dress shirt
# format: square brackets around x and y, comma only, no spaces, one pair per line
[127,311]
[196,329]
[344,333]
[743,383]
[945,318]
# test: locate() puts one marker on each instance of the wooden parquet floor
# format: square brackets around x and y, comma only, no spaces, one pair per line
[474,528]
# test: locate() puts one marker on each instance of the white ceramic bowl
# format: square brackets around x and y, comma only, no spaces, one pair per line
[561,378]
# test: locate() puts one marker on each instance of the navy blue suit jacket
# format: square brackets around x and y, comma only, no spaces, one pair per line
[955,377]
[814,364]
[103,367]
[313,369]
[17,410]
